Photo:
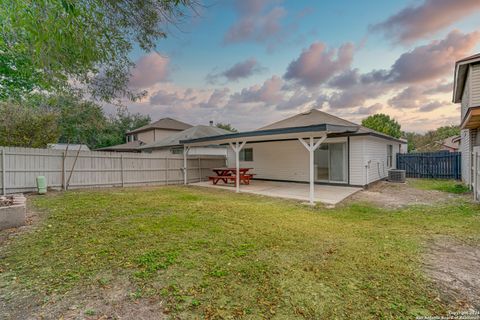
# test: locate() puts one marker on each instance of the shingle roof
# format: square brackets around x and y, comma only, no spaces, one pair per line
[129,146]
[313,117]
[164,123]
[195,132]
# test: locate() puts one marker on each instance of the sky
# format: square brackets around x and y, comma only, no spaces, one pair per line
[252,62]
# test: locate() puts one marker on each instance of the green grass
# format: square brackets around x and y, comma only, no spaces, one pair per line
[216,254]
[450,186]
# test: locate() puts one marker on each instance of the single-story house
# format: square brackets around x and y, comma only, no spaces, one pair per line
[172,144]
[313,147]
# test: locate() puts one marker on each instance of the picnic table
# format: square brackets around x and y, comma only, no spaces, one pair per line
[230,175]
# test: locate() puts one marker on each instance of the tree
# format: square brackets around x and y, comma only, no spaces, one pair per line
[119,124]
[431,140]
[226,126]
[383,123]
[55,45]
[23,126]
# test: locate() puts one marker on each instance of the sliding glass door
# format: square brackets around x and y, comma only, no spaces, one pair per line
[331,163]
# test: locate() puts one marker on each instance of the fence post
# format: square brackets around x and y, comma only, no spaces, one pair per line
[4,179]
[64,173]
[166,170]
[199,169]
[121,170]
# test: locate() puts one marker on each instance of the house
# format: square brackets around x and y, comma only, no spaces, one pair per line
[172,144]
[450,144]
[312,147]
[131,146]
[149,133]
[466,91]
[157,130]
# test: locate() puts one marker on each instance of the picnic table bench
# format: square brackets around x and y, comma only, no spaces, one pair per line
[229,175]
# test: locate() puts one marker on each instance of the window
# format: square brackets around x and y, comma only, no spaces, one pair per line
[246,154]
[176,150]
[135,137]
[389,156]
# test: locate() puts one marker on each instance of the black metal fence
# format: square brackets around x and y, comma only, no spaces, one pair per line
[440,165]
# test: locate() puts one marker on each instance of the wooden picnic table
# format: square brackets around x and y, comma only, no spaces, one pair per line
[229,174]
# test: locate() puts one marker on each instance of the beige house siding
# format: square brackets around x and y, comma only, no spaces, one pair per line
[152,135]
[465,147]
[288,160]
[474,86]
[357,162]
[465,97]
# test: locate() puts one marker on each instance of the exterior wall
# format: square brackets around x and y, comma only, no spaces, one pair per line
[204,151]
[465,97]
[475,86]
[279,160]
[466,149]
[288,160]
[357,162]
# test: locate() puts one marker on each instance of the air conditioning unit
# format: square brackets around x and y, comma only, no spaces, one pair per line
[396,175]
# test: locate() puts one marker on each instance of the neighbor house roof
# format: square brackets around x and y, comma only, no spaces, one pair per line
[164,123]
[460,75]
[452,142]
[71,146]
[195,132]
[126,147]
[311,122]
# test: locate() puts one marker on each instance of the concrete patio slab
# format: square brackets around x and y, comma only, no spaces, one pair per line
[326,194]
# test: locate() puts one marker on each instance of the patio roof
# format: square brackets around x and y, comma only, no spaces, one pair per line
[317,130]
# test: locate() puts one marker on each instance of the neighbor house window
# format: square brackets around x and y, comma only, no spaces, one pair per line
[246,154]
[389,156]
[176,150]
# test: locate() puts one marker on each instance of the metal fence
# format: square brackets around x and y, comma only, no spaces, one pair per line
[440,165]
[85,169]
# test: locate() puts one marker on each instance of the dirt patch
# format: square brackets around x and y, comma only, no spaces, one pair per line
[396,195]
[455,269]
[115,301]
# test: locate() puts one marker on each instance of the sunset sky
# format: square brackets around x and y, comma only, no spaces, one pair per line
[249,63]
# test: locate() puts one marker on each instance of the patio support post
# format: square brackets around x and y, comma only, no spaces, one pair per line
[185,169]
[236,148]
[311,146]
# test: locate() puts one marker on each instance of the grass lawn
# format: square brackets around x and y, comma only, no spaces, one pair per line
[451,186]
[215,254]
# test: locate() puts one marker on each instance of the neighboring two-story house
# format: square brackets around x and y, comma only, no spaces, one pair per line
[466,90]
[149,133]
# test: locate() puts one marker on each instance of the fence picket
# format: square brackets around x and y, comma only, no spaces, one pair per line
[20,167]
[440,165]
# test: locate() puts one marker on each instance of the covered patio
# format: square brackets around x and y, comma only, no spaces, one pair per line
[327,194]
[310,137]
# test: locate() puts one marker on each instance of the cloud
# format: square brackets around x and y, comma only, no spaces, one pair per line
[416,22]
[238,71]
[149,70]
[441,87]
[217,99]
[258,21]
[409,98]
[270,92]
[374,108]
[433,105]
[317,64]
[435,59]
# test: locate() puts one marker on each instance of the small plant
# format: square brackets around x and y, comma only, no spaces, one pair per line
[90,312]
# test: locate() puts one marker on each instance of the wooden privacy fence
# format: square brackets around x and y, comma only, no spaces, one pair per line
[440,165]
[21,166]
